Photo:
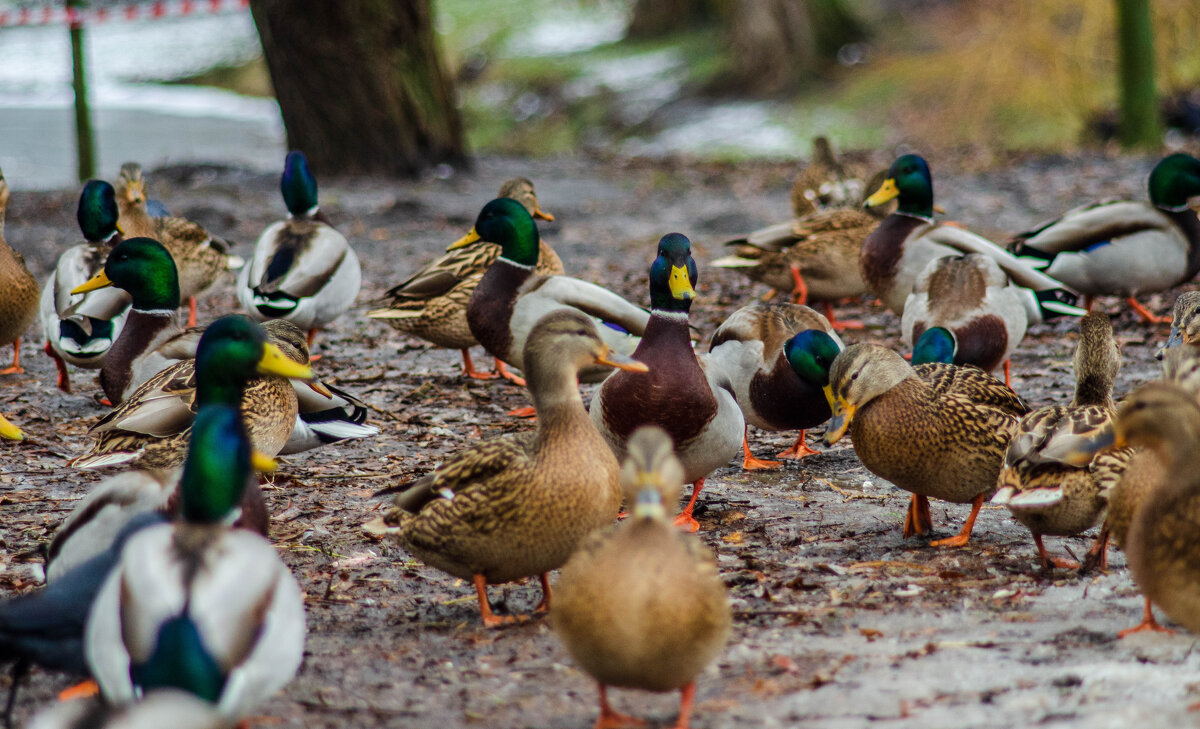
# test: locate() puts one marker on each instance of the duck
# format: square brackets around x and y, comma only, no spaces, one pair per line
[692,398]
[1044,492]
[80,330]
[200,256]
[519,505]
[150,430]
[643,606]
[432,303]
[1185,323]
[1125,248]
[511,297]
[975,309]
[826,181]
[815,256]
[18,292]
[197,605]
[897,416]
[303,269]
[898,250]
[753,347]
[162,707]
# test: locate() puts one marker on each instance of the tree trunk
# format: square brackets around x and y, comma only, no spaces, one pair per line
[360,84]
[653,18]
[1139,125]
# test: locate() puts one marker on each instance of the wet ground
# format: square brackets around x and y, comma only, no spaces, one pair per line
[839,620]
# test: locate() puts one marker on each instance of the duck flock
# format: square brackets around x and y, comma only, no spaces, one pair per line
[163,591]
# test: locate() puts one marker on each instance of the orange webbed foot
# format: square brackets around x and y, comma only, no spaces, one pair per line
[798,450]
[528,412]
[687,523]
[1148,624]
[84,690]
[1145,314]
[469,371]
[749,462]
[14,370]
[957,540]
[612,719]
[502,370]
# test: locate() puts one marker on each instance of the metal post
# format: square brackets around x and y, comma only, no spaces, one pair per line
[84,144]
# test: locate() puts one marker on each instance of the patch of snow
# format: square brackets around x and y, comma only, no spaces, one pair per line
[571,30]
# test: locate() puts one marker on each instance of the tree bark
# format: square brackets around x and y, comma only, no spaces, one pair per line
[653,18]
[361,84]
[1139,125]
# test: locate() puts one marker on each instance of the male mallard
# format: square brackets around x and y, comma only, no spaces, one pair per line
[1046,493]
[895,254]
[511,297]
[692,399]
[815,256]
[200,257]
[157,709]
[939,430]
[303,270]
[152,427]
[18,292]
[432,303]
[80,330]
[199,606]
[754,347]
[643,606]
[1125,248]
[970,299]
[519,505]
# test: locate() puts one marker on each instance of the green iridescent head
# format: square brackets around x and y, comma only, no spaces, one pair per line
[909,180]
[673,275]
[180,660]
[144,268]
[811,354]
[936,344]
[1174,180]
[97,212]
[217,465]
[508,224]
[298,185]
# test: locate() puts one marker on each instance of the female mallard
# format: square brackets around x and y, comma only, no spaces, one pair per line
[966,302]
[303,269]
[1185,322]
[18,292]
[432,303]
[200,257]
[692,399]
[199,606]
[826,181]
[754,347]
[643,606]
[519,505]
[895,254]
[80,330]
[511,297]
[814,257]
[940,431]
[151,428]
[1125,248]
[1046,491]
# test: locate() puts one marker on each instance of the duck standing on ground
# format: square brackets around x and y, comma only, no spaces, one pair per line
[689,397]
[938,430]
[303,269]
[641,605]
[18,292]
[1125,248]
[432,303]
[519,505]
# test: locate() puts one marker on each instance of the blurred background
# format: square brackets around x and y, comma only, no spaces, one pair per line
[709,79]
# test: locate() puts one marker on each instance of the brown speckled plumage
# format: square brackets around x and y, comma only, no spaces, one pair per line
[18,288]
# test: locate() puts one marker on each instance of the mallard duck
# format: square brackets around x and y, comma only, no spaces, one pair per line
[78,329]
[150,429]
[18,292]
[752,347]
[895,254]
[519,505]
[198,606]
[511,297]
[643,606]
[200,257]
[157,709]
[1125,248]
[940,431]
[689,397]
[432,303]
[1046,493]
[1185,322]
[814,257]
[826,181]
[969,298]
[303,269]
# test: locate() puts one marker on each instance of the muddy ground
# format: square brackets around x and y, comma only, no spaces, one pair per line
[840,620]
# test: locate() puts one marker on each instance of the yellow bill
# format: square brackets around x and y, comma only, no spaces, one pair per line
[275,362]
[98,281]
[886,192]
[843,413]
[681,284]
[828,390]
[620,361]
[135,191]
[261,462]
[320,389]
[464,241]
[542,215]
[8,431]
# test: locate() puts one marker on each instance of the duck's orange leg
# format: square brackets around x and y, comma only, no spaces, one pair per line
[749,462]
[917,520]
[84,690]
[1145,314]
[1008,373]
[64,378]
[798,450]
[687,695]
[1088,303]
[1148,623]
[1097,556]
[16,368]
[543,606]
[837,324]
[1048,561]
[491,619]
[192,316]
[312,335]
[685,520]
[502,370]
[799,288]
[469,370]
[964,535]
[612,719]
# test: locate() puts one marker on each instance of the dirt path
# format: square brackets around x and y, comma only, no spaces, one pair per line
[839,619]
